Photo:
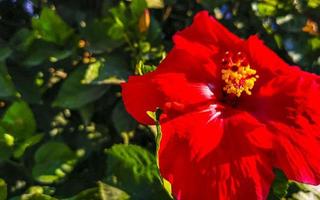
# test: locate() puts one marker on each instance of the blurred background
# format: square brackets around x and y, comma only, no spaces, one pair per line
[64,132]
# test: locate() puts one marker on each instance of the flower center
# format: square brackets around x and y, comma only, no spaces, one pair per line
[237,74]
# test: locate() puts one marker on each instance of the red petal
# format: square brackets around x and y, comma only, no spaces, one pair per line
[196,127]
[196,68]
[214,159]
[289,105]
[153,90]
[264,60]
[208,32]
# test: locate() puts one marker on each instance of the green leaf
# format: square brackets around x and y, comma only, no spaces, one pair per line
[314,43]
[21,148]
[156,116]
[122,121]
[6,86]
[108,192]
[30,92]
[3,190]
[279,186]
[137,7]
[144,69]
[92,72]
[134,170]
[74,94]
[18,121]
[117,30]
[50,27]
[113,71]
[52,161]
[102,192]
[96,33]
[313,3]
[295,24]
[36,196]
[154,34]
[41,51]
[155,3]
[265,9]
[5,52]
[22,39]
[86,112]
[6,142]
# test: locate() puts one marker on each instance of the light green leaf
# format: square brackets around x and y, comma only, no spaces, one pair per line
[102,192]
[144,69]
[36,196]
[92,72]
[108,192]
[155,3]
[18,121]
[5,144]
[21,148]
[50,27]
[3,190]
[137,7]
[265,9]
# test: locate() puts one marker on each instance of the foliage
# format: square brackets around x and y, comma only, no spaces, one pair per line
[64,132]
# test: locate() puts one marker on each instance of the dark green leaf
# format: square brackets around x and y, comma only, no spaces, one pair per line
[52,161]
[96,33]
[22,39]
[74,94]
[123,122]
[5,52]
[41,51]
[113,71]
[6,86]
[134,170]
[279,186]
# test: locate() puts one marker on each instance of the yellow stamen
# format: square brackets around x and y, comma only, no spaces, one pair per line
[238,77]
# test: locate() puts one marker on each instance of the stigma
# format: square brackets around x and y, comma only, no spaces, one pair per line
[237,74]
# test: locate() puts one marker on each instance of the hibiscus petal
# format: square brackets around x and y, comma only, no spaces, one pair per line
[288,104]
[200,69]
[207,157]
[267,63]
[208,32]
[154,90]
[203,130]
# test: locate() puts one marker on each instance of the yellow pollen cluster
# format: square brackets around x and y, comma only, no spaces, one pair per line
[239,79]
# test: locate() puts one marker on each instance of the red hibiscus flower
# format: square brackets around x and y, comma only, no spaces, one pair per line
[232,112]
